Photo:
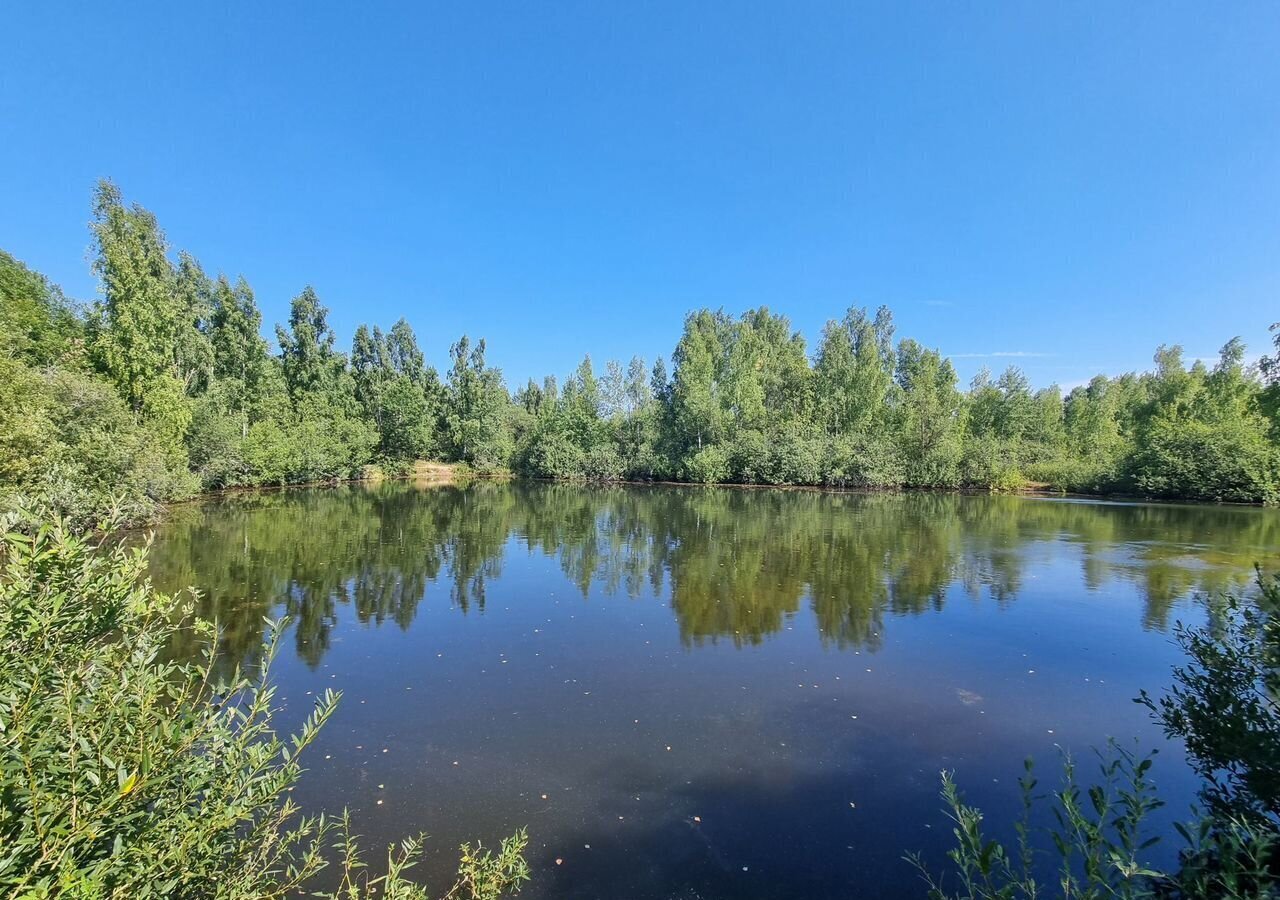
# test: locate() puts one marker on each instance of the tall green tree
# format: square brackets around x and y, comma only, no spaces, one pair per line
[581,404]
[696,384]
[769,370]
[531,398]
[1092,423]
[1269,370]
[406,358]
[1047,426]
[135,335]
[613,392]
[145,333]
[929,417]
[240,355]
[853,372]
[192,351]
[637,390]
[371,367]
[476,408]
[395,389]
[1202,434]
[311,364]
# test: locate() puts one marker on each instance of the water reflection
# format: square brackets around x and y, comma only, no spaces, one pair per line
[737,565]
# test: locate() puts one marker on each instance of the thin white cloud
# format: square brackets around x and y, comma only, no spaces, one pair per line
[1001,354]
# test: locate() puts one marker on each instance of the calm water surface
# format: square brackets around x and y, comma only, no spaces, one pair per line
[703,692]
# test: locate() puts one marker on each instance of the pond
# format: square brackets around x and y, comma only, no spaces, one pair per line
[703,692]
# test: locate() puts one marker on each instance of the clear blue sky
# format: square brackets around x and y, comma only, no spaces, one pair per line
[1073,182]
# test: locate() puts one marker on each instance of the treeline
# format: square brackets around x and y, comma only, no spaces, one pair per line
[165,386]
[745,403]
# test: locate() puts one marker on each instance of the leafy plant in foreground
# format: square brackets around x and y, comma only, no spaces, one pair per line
[1223,706]
[1097,836]
[125,775]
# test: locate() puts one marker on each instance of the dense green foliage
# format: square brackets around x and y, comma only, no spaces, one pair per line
[125,775]
[165,386]
[745,403]
[1224,706]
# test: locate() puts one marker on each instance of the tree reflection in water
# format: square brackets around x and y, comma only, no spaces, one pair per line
[735,564]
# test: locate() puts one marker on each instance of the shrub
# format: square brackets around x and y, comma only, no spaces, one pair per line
[125,775]
[70,439]
[1230,460]
[796,459]
[990,463]
[863,461]
[551,454]
[710,465]
[603,463]
[1098,836]
[1223,704]
[216,446]
[750,460]
[329,444]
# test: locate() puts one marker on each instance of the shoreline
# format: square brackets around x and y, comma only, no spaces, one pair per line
[428,473]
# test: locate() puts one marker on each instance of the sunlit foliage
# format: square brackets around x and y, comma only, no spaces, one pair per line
[126,775]
[204,403]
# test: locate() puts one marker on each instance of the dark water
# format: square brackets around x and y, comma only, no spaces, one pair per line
[703,692]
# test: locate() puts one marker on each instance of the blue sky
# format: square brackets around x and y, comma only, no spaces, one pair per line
[1073,183]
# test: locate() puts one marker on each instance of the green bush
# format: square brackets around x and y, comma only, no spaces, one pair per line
[216,446]
[603,463]
[1230,460]
[551,454]
[931,463]
[990,463]
[328,442]
[1058,474]
[269,454]
[750,459]
[863,461]
[125,775]
[70,439]
[710,465]
[1224,704]
[789,457]
[796,459]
